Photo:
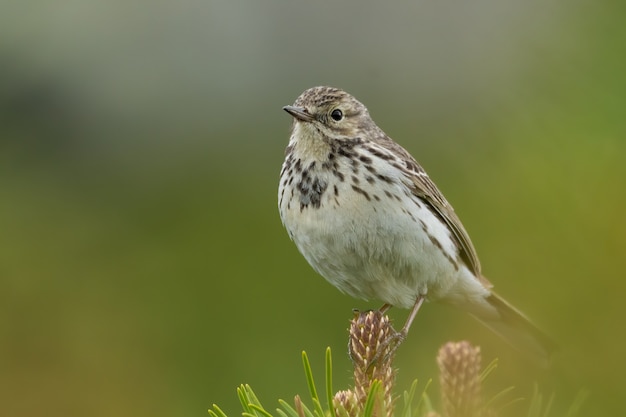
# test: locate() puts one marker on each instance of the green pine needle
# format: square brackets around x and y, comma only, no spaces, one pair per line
[539,405]
[281,413]
[424,402]
[252,398]
[311,384]
[498,396]
[309,375]
[289,410]
[546,413]
[216,412]
[329,382]
[577,404]
[243,399]
[319,411]
[260,411]
[368,409]
[535,403]
[488,369]
[408,399]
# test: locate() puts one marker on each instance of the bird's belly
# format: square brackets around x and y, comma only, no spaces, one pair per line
[392,249]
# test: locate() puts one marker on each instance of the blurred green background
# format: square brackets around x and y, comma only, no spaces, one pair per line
[143,267]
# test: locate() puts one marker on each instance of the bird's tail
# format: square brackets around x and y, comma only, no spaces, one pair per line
[515,328]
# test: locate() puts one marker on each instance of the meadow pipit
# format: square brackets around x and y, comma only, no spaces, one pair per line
[367,217]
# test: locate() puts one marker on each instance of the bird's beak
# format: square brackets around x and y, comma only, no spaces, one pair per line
[299,113]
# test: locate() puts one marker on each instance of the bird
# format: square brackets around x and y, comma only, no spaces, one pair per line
[368,218]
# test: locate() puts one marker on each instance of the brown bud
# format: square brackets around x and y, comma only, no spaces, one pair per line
[346,404]
[372,346]
[459,367]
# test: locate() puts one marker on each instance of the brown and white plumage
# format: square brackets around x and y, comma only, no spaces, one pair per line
[367,217]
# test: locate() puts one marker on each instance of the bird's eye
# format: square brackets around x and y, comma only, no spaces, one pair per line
[337,115]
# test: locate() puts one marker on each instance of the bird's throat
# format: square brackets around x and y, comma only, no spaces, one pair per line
[310,142]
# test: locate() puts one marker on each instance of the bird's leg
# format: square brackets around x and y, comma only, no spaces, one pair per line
[385,308]
[407,325]
[398,337]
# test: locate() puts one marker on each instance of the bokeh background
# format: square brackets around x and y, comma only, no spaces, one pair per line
[143,267]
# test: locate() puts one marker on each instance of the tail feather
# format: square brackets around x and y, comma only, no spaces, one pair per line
[515,328]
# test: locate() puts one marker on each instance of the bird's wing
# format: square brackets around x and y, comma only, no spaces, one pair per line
[423,187]
[426,189]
